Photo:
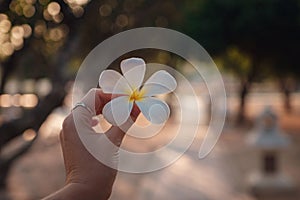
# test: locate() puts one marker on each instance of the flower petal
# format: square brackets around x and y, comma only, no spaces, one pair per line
[155,110]
[113,82]
[133,70]
[160,82]
[117,110]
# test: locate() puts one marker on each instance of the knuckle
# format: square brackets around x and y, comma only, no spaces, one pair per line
[67,123]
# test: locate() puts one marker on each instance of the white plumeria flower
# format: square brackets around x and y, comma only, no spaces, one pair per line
[131,91]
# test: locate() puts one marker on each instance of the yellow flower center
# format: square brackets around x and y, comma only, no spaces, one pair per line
[136,95]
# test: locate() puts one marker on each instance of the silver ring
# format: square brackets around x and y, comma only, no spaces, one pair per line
[81,104]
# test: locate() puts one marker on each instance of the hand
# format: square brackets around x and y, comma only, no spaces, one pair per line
[86,177]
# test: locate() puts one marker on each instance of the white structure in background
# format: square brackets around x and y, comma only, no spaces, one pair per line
[269,142]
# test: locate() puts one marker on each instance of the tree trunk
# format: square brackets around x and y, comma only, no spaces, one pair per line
[286,88]
[287,101]
[242,96]
[245,88]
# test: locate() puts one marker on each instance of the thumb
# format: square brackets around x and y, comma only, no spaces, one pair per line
[116,133]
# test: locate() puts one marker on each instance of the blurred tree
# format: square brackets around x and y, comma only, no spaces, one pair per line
[264,32]
[34,39]
[46,38]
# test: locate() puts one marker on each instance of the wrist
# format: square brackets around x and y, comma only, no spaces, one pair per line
[92,183]
[79,191]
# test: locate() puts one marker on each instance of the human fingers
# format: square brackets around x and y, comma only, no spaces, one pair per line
[95,98]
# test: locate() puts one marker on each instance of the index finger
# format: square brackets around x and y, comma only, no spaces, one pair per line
[101,99]
[96,99]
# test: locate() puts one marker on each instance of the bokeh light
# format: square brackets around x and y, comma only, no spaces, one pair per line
[46,15]
[5,25]
[27,30]
[53,8]
[122,21]
[28,11]
[12,36]
[77,6]
[77,2]
[77,11]
[105,10]
[7,49]
[17,42]
[17,32]
[55,34]
[40,28]
[28,86]
[23,7]
[18,100]
[58,18]
[3,37]
[15,100]
[28,100]
[43,87]
[3,16]
[5,100]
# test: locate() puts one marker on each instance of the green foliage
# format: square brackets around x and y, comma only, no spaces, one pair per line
[235,62]
[265,31]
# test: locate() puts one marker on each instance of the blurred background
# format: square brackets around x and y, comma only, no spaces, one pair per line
[254,43]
